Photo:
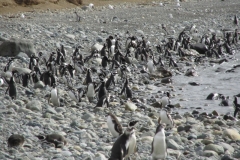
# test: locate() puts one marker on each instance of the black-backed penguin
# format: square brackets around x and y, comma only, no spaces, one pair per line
[89,77]
[33,61]
[235,21]
[58,140]
[125,145]
[102,89]
[46,77]
[25,79]
[105,62]
[62,50]
[110,81]
[54,97]
[166,118]
[213,96]
[236,106]
[127,90]
[12,89]
[114,125]
[103,101]
[159,146]
[15,140]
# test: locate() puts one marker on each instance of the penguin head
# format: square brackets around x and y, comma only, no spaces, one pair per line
[131,128]
[161,126]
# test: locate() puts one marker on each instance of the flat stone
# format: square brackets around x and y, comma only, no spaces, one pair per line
[209,153]
[213,147]
[34,105]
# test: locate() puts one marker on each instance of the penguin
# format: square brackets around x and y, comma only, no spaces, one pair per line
[54,97]
[159,147]
[67,79]
[166,118]
[75,95]
[224,101]
[58,140]
[236,106]
[150,66]
[25,79]
[12,89]
[125,145]
[235,21]
[114,125]
[90,93]
[165,100]
[110,81]
[62,50]
[105,62]
[103,100]
[15,140]
[46,77]
[102,90]
[71,70]
[213,96]
[89,77]
[33,61]
[126,89]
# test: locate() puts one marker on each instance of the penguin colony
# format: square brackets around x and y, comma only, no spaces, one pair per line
[116,61]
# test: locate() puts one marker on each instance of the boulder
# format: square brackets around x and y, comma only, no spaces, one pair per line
[11,48]
[232,134]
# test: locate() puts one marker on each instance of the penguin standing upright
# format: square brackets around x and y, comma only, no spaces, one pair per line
[89,77]
[235,21]
[236,106]
[150,66]
[159,147]
[102,90]
[54,97]
[166,118]
[25,79]
[125,145]
[90,91]
[75,95]
[110,81]
[12,89]
[127,90]
[104,100]
[105,62]
[114,125]
[165,100]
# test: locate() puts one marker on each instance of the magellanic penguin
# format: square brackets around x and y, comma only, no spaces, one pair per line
[54,97]
[114,125]
[159,146]
[236,106]
[166,118]
[58,140]
[15,140]
[125,145]
[12,89]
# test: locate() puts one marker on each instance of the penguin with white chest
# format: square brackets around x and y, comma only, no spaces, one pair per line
[159,146]
[75,95]
[54,97]
[91,91]
[114,125]
[125,145]
[166,118]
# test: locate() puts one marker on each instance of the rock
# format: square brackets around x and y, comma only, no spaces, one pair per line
[97,47]
[100,156]
[11,48]
[173,145]
[207,141]
[227,157]
[71,36]
[227,147]
[157,105]
[213,147]
[14,106]
[88,116]
[147,139]
[232,134]
[236,154]
[130,106]
[166,80]
[34,105]
[209,153]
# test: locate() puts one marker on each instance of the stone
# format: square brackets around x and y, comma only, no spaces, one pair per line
[34,105]
[130,106]
[232,134]
[147,139]
[12,47]
[227,147]
[173,145]
[209,153]
[213,147]
[97,47]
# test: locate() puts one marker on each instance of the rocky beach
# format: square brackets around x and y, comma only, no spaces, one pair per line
[201,130]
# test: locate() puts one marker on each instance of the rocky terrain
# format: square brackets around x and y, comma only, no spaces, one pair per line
[199,133]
